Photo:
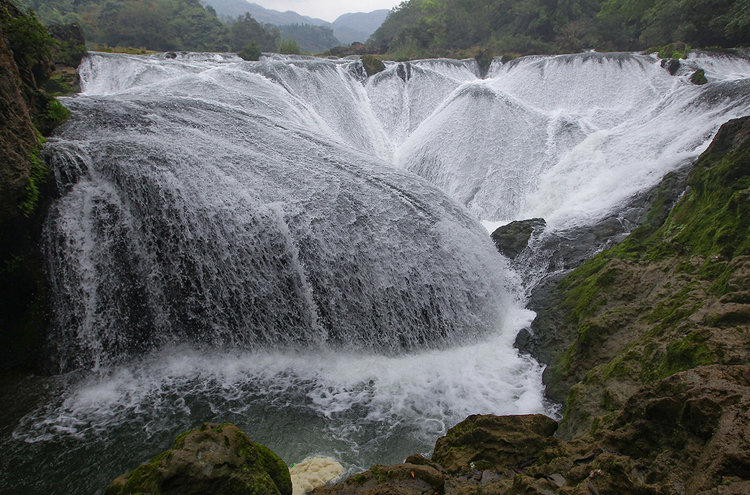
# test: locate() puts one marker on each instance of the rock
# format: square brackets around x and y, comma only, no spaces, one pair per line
[496,442]
[400,479]
[484,60]
[699,77]
[372,65]
[17,136]
[314,472]
[694,426]
[513,238]
[672,65]
[216,459]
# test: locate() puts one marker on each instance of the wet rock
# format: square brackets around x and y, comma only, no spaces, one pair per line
[372,65]
[672,65]
[513,238]
[498,441]
[213,459]
[400,479]
[17,136]
[699,77]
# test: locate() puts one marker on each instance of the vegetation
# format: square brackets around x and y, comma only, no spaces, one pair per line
[289,47]
[313,39]
[251,51]
[448,27]
[672,296]
[161,25]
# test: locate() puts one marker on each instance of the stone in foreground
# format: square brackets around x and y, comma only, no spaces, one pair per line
[215,458]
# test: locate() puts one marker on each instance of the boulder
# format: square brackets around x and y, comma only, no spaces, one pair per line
[488,442]
[514,237]
[372,65]
[216,459]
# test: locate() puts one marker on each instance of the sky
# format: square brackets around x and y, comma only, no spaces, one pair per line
[328,10]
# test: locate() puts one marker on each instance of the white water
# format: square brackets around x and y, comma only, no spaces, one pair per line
[248,242]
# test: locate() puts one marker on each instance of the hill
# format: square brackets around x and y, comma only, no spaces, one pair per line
[358,26]
[421,28]
[235,8]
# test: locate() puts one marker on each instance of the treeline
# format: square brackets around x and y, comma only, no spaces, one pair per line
[160,25]
[418,28]
[313,39]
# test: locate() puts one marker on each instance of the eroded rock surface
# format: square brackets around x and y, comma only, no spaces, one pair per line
[216,459]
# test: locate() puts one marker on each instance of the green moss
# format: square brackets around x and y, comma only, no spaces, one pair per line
[699,77]
[276,469]
[379,472]
[39,175]
[360,478]
[372,64]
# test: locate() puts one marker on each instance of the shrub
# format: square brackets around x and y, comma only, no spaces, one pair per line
[251,51]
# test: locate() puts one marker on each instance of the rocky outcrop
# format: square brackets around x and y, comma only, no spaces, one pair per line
[372,65]
[26,110]
[665,300]
[688,433]
[216,459]
[17,136]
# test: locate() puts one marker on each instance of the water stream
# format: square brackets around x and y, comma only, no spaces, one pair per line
[297,248]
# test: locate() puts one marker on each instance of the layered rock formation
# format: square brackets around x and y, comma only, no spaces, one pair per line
[26,113]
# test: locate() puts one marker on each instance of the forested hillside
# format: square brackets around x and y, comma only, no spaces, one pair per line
[442,27]
[157,24]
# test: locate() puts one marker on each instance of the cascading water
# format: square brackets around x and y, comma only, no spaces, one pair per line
[252,242]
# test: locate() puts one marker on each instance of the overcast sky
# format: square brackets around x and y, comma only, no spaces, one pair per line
[328,10]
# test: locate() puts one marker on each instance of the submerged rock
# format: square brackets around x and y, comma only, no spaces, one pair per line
[216,459]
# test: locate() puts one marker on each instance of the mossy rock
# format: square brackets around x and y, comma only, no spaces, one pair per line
[699,77]
[216,458]
[372,65]
[494,442]
[484,59]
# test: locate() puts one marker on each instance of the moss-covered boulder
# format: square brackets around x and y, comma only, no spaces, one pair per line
[494,442]
[372,64]
[513,238]
[699,77]
[216,459]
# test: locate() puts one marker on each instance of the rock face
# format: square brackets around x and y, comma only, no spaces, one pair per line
[17,136]
[648,344]
[213,459]
[688,433]
[665,300]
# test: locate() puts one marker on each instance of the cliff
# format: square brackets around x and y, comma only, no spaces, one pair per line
[27,112]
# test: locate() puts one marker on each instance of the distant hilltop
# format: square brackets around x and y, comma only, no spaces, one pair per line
[347,28]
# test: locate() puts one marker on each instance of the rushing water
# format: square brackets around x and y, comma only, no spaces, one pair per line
[296,248]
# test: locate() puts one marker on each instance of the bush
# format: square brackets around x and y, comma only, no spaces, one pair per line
[251,51]
[289,47]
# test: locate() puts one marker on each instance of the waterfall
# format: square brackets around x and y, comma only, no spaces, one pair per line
[298,248]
